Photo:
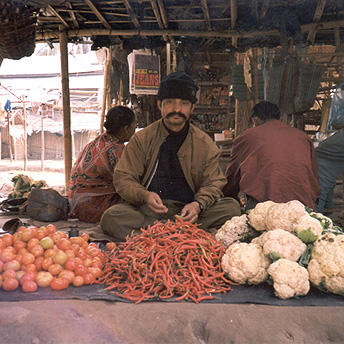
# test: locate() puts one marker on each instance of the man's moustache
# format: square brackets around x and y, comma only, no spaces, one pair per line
[175,113]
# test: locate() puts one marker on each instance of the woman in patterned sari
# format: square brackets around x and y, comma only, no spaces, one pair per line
[90,189]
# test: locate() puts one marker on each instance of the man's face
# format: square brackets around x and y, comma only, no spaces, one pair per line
[175,112]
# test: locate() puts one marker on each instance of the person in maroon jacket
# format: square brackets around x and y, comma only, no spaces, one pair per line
[272,161]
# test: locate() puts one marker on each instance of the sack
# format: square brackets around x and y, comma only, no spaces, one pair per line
[47,205]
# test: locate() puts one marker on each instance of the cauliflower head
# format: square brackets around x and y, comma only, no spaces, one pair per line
[289,279]
[325,221]
[245,263]
[257,215]
[308,228]
[284,215]
[326,267]
[279,243]
[235,229]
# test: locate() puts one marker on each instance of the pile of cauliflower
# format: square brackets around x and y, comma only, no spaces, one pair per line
[286,245]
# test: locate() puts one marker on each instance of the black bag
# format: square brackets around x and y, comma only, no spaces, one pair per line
[47,205]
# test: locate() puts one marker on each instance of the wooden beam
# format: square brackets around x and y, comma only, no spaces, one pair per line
[265,8]
[206,14]
[132,14]
[72,15]
[234,17]
[58,16]
[98,14]
[317,16]
[187,33]
[67,140]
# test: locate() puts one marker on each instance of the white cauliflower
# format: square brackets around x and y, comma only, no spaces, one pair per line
[257,215]
[325,221]
[284,215]
[279,243]
[289,279]
[308,228]
[235,229]
[245,263]
[326,267]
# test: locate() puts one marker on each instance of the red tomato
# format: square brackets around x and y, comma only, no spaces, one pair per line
[9,274]
[13,265]
[6,255]
[46,263]
[10,284]
[70,264]
[7,239]
[44,278]
[64,244]
[41,233]
[29,286]
[50,228]
[49,253]
[88,278]
[28,276]
[68,275]
[81,270]
[59,283]
[96,272]
[30,267]
[32,242]
[55,269]
[20,273]
[37,250]
[87,262]
[18,244]
[85,236]
[28,258]
[78,281]
[38,263]
[1,265]
[110,246]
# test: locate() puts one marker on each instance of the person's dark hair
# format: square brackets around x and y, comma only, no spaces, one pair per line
[265,111]
[117,117]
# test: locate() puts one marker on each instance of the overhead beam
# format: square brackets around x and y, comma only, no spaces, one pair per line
[234,16]
[206,14]
[72,15]
[187,33]
[58,16]
[317,16]
[98,14]
[265,8]
[132,14]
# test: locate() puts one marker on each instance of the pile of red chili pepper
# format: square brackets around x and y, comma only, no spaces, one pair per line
[165,260]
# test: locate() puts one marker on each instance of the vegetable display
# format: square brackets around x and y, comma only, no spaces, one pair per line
[43,257]
[165,260]
[296,247]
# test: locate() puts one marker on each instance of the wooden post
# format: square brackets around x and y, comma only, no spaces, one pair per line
[168,58]
[42,144]
[108,82]
[66,104]
[0,142]
[25,137]
[106,71]
[9,136]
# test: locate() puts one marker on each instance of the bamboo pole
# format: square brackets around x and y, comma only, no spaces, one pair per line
[168,58]
[102,114]
[25,137]
[9,136]
[42,144]
[66,105]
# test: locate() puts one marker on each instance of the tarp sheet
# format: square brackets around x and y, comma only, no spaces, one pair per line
[240,294]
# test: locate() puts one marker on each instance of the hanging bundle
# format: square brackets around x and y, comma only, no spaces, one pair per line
[17,29]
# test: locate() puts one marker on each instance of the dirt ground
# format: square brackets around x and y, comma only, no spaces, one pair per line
[76,321]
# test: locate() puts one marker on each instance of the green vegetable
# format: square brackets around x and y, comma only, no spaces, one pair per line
[307,236]
[273,256]
[306,256]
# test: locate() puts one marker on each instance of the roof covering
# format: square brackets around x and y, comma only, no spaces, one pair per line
[144,23]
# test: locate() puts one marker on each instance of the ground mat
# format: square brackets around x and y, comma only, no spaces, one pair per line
[240,294]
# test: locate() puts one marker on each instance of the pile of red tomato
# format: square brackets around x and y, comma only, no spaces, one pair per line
[43,257]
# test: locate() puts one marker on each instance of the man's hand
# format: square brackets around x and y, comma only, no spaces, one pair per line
[190,212]
[154,203]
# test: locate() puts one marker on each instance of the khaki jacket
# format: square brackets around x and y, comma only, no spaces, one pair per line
[198,157]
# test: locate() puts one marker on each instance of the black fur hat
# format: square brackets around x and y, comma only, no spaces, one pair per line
[178,85]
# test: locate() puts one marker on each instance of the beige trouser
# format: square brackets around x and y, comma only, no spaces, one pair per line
[121,219]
